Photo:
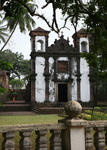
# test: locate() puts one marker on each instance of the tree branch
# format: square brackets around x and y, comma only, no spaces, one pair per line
[32,13]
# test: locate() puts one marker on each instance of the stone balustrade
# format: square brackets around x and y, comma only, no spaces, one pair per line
[31,137]
[89,135]
[71,133]
[95,135]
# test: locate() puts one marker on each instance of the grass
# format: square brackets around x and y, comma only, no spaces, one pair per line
[98,114]
[29,119]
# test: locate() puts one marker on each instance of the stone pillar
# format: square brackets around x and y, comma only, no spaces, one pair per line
[47,75]
[46,41]
[78,87]
[89,139]
[55,68]
[77,134]
[8,143]
[91,87]
[41,141]
[75,125]
[99,138]
[33,79]
[78,80]
[33,44]
[70,79]
[70,70]
[56,142]
[25,143]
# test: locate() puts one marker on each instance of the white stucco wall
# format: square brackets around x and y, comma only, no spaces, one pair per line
[42,38]
[62,59]
[84,70]
[40,80]
[74,84]
[51,83]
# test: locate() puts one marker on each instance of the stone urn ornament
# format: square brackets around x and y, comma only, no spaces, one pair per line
[73,109]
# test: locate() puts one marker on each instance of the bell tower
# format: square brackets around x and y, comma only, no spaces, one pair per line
[39,45]
[82,41]
[39,40]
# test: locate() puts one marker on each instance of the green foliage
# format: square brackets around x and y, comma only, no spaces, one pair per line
[21,67]
[94,16]
[3,29]
[2,90]
[16,83]
[97,114]
[5,65]
[15,13]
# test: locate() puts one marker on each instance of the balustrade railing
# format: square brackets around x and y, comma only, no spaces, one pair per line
[32,137]
[95,135]
[52,137]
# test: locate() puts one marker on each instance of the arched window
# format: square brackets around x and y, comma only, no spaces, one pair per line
[83,46]
[39,45]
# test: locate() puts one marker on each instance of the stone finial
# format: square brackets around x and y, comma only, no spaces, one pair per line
[73,109]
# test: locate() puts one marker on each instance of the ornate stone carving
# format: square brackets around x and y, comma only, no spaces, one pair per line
[61,45]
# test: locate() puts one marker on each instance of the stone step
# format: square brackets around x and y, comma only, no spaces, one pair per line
[49,110]
[15,107]
[16,102]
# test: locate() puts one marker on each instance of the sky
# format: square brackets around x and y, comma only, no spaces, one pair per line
[20,42]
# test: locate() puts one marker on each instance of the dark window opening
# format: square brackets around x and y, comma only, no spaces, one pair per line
[62,66]
[84,46]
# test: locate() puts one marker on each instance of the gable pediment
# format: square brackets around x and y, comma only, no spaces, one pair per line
[61,45]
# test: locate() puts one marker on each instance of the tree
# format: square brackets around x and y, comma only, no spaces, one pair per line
[16,15]
[16,83]
[21,67]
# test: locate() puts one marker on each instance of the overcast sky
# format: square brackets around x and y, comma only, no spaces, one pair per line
[20,42]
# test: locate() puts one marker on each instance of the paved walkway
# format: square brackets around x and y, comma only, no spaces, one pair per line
[17,113]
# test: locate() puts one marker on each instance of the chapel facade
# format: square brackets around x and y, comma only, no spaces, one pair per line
[58,73]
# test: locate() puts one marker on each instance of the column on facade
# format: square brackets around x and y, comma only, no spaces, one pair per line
[91,87]
[55,78]
[55,59]
[33,78]
[78,79]
[70,77]
[70,68]
[47,75]
[33,44]
[46,41]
